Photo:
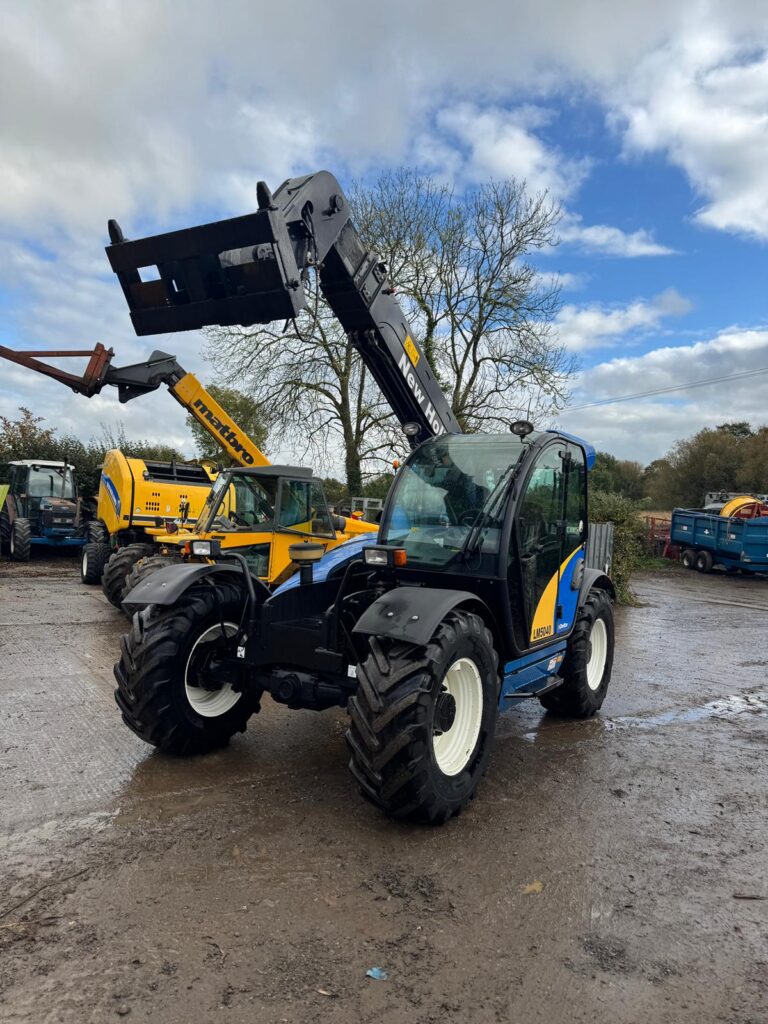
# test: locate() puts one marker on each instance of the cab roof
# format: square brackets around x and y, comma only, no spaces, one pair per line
[40,462]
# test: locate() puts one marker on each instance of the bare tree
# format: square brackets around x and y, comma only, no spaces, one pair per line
[483,315]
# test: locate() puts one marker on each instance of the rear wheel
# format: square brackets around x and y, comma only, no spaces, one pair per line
[96,532]
[704,561]
[92,561]
[688,558]
[146,567]
[168,688]
[423,719]
[588,661]
[21,540]
[113,580]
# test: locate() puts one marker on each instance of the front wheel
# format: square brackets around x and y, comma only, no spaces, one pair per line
[688,558]
[21,540]
[175,688]
[423,719]
[115,576]
[586,670]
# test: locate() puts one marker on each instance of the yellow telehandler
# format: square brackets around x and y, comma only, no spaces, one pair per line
[148,513]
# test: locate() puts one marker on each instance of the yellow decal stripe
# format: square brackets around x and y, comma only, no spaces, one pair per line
[544,617]
[413,353]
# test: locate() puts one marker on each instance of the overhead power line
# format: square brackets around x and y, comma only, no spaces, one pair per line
[673,387]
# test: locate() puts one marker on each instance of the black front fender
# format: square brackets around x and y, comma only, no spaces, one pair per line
[412,614]
[166,585]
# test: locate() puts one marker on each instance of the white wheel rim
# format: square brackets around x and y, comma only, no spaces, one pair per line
[85,562]
[598,639]
[453,748]
[210,703]
[13,546]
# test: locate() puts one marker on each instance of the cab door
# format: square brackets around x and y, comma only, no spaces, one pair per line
[540,535]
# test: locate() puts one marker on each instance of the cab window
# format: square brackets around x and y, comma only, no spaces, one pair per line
[303,509]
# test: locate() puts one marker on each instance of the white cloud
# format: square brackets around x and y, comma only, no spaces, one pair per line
[703,101]
[647,428]
[597,326]
[491,142]
[606,240]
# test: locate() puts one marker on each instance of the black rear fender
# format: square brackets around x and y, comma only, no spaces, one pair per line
[412,614]
[595,579]
[166,586]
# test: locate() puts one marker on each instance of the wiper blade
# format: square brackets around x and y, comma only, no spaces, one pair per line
[495,498]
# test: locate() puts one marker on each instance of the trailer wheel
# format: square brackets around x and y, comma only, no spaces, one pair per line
[423,719]
[704,561]
[92,561]
[586,670]
[116,570]
[688,558]
[145,567]
[21,540]
[96,532]
[166,687]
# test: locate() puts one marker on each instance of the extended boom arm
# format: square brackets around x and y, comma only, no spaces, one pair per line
[252,269]
[140,379]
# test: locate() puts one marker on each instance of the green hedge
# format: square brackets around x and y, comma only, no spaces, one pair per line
[608,507]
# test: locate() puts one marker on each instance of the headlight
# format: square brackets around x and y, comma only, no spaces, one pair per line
[206,548]
[385,556]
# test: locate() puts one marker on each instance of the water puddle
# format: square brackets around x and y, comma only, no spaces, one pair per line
[753,702]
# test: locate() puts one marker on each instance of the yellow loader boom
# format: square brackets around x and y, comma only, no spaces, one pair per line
[141,378]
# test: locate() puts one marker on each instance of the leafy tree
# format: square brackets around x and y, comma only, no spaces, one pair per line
[245,413]
[621,476]
[711,460]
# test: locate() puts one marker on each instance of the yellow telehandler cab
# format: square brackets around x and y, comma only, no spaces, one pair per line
[147,512]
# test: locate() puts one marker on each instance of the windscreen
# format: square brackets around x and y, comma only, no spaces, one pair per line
[451,486]
[51,482]
[240,502]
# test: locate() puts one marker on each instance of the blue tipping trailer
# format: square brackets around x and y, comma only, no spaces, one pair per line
[707,540]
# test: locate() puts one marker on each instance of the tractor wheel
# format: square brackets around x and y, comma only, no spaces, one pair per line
[166,690]
[704,561]
[586,670]
[117,568]
[92,561]
[145,567]
[21,540]
[96,532]
[5,530]
[688,558]
[423,719]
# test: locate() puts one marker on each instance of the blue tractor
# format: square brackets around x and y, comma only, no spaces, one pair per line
[41,508]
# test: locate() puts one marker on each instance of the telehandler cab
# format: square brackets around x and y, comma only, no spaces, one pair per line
[475,594]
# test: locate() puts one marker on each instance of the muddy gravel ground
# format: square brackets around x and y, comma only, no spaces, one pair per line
[610,870]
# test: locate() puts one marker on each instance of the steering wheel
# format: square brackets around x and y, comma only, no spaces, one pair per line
[240,519]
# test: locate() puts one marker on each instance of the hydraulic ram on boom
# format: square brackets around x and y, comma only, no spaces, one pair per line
[252,269]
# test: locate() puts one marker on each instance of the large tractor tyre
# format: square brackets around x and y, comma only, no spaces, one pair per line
[113,580]
[92,561]
[586,670]
[688,558]
[165,691]
[704,562]
[5,530]
[423,719]
[21,540]
[146,567]
[96,532]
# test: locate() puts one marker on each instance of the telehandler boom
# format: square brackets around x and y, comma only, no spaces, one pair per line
[474,596]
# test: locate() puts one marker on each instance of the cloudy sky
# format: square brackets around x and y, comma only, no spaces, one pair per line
[647,120]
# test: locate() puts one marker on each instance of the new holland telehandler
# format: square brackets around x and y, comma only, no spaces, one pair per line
[474,596]
[148,513]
